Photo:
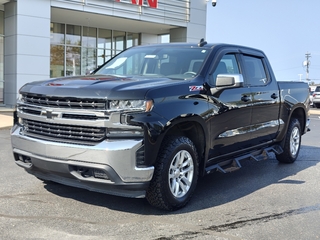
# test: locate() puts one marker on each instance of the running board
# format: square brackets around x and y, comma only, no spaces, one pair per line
[234,164]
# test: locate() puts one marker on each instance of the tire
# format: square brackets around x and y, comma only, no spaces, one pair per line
[292,143]
[317,105]
[174,181]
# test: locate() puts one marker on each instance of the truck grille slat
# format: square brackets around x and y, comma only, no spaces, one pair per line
[63,133]
[81,117]
[72,103]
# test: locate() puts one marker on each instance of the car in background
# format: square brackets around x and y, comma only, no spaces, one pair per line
[316,97]
[311,98]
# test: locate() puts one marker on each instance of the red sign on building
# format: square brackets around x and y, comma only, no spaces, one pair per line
[151,3]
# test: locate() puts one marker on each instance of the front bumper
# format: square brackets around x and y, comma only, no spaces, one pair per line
[108,167]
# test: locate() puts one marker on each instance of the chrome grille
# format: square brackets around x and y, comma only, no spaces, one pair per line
[64,115]
[73,103]
[63,133]
[32,111]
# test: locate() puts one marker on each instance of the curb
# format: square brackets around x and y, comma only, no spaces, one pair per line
[5,128]
[6,120]
[315,111]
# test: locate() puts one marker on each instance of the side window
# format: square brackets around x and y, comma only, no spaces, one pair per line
[254,71]
[227,65]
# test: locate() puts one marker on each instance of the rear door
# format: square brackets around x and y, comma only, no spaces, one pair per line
[265,98]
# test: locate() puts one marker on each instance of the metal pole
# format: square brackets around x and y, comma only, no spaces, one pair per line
[308,55]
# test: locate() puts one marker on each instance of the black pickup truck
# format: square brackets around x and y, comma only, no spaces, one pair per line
[154,118]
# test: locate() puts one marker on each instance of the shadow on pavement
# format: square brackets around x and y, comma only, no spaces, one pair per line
[213,190]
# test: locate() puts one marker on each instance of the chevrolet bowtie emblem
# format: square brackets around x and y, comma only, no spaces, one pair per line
[49,114]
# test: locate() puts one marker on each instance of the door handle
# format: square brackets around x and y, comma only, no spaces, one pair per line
[274,96]
[245,98]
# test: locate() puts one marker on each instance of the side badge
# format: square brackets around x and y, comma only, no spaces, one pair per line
[195,88]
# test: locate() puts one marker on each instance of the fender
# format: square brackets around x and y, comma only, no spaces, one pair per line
[292,106]
[156,128]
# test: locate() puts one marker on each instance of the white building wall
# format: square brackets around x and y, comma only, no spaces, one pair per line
[27,45]
[149,39]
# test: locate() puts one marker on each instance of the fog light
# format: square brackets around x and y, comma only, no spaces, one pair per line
[97,173]
[24,159]
[140,160]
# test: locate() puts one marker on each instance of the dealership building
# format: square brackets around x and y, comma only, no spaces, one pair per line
[41,39]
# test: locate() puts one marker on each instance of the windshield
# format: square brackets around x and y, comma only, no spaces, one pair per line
[173,62]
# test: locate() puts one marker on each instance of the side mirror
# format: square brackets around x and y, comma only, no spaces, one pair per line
[229,80]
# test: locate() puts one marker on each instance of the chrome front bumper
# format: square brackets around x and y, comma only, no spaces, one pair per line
[108,167]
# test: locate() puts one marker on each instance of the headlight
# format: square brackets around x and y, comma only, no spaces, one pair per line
[131,105]
[121,133]
[20,98]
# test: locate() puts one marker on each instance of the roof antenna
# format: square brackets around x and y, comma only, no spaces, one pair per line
[202,43]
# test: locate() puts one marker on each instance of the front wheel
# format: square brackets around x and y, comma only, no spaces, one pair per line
[292,143]
[175,176]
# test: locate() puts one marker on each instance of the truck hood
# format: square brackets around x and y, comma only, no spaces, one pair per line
[98,86]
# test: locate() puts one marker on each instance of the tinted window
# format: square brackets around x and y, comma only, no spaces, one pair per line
[255,73]
[227,65]
[173,62]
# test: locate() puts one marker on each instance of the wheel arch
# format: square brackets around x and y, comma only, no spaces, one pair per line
[299,114]
[195,131]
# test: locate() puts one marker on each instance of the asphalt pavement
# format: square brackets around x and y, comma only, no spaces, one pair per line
[263,200]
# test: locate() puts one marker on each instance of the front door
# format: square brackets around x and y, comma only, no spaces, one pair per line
[230,122]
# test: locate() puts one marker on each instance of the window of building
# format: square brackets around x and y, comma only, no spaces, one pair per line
[88,50]
[165,38]
[89,38]
[132,39]
[57,49]
[104,45]
[57,33]
[57,60]
[78,50]
[118,43]
[73,61]
[88,60]
[73,35]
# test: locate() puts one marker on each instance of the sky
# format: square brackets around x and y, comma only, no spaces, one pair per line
[285,30]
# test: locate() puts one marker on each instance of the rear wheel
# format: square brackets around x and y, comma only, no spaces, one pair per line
[317,105]
[292,143]
[175,176]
